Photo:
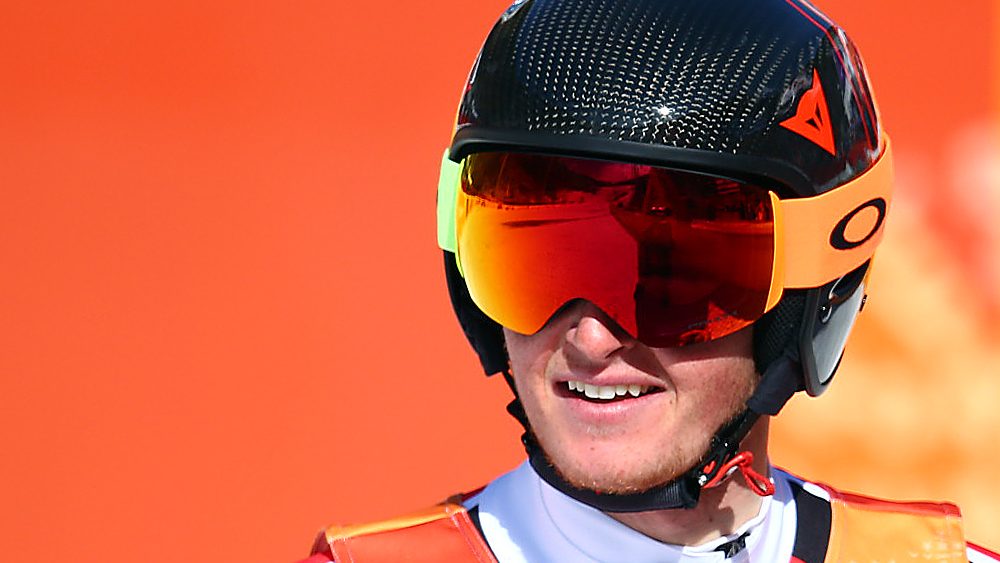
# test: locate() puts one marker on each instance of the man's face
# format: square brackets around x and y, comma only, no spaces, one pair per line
[628,443]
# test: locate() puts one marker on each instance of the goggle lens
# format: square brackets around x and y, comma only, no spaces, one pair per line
[674,257]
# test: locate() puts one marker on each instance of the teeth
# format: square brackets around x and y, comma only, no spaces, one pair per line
[606,392]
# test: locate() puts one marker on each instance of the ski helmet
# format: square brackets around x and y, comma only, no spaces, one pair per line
[692,167]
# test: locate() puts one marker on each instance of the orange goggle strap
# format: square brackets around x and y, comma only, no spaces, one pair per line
[821,238]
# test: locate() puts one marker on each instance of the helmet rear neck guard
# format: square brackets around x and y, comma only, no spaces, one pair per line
[769,90]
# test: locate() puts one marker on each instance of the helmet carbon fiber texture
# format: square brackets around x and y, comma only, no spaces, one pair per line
[712,75]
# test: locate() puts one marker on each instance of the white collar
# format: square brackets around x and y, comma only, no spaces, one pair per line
[526,520]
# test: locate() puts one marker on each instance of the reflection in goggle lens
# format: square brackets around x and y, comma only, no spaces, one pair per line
[674,257]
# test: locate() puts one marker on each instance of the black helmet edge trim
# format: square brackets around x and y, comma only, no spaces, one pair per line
[785,179]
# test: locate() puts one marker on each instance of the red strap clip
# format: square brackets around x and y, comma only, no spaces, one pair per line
[742,461]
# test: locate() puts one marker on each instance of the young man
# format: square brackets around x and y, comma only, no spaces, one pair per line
[658,219]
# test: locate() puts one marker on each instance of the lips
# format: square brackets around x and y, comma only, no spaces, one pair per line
[604,403]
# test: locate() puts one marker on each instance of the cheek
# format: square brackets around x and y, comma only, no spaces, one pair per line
[716,374]
[731,383]
[529,357]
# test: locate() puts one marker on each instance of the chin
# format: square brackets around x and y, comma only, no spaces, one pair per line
[604,469]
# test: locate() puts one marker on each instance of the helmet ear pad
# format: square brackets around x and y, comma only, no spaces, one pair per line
[811,326]
[777,332]
[830,312]
[483,333]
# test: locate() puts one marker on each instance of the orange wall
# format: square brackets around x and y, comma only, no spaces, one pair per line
[224,322]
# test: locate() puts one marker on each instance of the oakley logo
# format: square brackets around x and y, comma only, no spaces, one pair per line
[838,238]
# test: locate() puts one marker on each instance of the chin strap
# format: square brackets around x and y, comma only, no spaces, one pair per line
[743,461]
[723,460]
[781,380]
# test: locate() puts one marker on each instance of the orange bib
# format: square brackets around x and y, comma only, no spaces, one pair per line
[861,529]
[867,529]
[443,532]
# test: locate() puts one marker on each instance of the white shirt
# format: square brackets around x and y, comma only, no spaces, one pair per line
[524,519]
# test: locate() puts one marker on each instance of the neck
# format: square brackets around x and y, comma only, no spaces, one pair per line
[720,511]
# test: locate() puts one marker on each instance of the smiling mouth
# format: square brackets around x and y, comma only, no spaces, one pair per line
[607,393]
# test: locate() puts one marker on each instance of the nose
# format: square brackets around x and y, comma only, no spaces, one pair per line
[594,339]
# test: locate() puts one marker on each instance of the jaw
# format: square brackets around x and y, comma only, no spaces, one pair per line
[621,446]
[607,464]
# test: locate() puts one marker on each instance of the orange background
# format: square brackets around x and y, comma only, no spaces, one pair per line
[224,322]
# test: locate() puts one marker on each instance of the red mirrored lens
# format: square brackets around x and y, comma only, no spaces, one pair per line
[674,257]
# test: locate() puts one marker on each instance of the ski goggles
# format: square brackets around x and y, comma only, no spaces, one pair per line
[674,257]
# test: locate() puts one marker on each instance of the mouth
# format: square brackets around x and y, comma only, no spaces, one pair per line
[606,393]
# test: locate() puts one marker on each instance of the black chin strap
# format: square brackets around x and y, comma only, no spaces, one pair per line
[781,380]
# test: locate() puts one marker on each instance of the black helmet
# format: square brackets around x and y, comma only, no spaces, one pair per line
[769,92]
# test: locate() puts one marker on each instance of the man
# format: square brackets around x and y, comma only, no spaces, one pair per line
[658,219]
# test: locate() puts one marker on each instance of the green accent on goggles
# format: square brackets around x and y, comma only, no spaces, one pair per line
[447,194]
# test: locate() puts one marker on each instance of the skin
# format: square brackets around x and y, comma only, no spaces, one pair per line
[634,444]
